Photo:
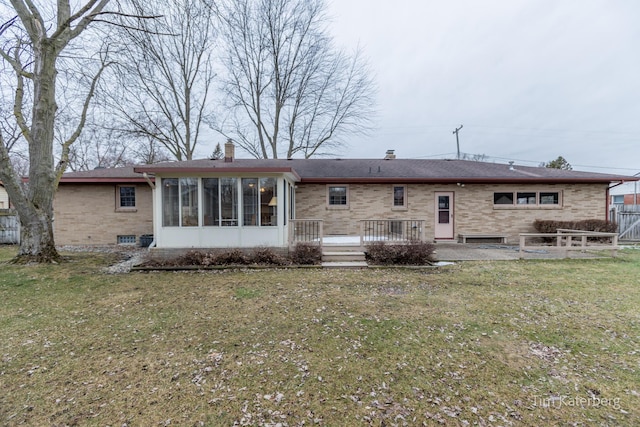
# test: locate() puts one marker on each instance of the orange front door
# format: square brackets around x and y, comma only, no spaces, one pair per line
[444,215]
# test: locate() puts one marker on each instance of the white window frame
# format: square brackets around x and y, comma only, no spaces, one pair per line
[337,206]
[119,207]
[521,205]
[404,204]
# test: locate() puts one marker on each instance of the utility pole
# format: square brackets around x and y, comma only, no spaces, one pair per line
[458,141]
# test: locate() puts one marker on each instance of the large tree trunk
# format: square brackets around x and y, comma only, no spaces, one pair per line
[36,236]
[36,239]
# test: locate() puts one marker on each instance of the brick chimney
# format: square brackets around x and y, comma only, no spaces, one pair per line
[229,150]
[389,155]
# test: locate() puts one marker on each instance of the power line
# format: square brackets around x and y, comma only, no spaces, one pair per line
[534,162]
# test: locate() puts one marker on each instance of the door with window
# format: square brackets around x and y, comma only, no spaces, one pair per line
[444,215]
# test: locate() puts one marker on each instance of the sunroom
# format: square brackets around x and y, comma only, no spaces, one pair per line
[222,207]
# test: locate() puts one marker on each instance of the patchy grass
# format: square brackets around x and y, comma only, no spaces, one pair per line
[491,343]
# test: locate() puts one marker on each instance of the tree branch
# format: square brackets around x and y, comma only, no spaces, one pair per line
[64,156]
[6,25]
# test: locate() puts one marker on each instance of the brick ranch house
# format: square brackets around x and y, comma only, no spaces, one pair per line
[251,202]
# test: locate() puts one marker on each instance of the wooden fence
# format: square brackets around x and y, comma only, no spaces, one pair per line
[9,227]
[570,240]
[628,224]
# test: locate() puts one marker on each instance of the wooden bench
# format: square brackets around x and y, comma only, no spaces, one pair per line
[466,236]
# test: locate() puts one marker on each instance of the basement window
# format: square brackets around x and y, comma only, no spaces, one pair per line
[129,239]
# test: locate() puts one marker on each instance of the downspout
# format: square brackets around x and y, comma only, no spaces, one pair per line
[635,192]
[146,178]
[608,199]
[153,200]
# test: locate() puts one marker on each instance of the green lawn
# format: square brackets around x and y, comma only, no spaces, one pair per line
[478,343]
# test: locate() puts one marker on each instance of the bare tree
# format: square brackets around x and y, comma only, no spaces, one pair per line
[164,74]
[100,145]
[474,157]
[35,41]
[95,148]
[291,92]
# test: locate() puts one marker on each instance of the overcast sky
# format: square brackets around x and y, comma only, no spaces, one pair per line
[529,80]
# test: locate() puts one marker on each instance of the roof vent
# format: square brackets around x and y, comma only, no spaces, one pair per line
[389,155]
[511,165]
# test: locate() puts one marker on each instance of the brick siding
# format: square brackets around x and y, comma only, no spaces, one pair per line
[628,199]
[474,209]
[86,214]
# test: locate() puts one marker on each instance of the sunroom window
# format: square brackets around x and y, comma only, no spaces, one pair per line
[250,201]
[211,201]
[268,202]
[229,201]
[189,192]
[220,199]
[180,202]
[170,202]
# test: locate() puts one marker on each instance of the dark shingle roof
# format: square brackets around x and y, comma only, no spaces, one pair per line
[122,174]
[395,170]
[354,170]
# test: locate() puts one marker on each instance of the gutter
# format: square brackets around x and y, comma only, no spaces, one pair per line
[467,180]
[146,178]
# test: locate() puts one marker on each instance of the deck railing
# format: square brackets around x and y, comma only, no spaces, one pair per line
[305,231]
[391,230]
[570,240]
[371,230]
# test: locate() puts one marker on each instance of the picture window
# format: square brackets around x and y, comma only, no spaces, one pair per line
[527,198]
